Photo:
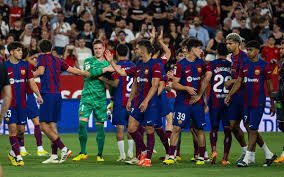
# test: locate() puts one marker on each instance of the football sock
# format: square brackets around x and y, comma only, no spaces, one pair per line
[15,144]
[201,152]
[213,139]
[150,145]
[282,155]
[121,148]
[100,138]
[130,147]
[38,135]
[268,153]
[83,135]
[163,139]
[12,153]
[138,138]
[178,145]
[168,133]
[141,130]
[227,142]
[59,143]
[244,149]
[172,150]
[40,148]
[21,141]
[196,150]
[137,150]
[54,148]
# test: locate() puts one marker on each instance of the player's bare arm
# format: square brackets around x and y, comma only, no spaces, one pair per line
[204,84]
[155,84]
[235,88]
[161,87]
[39,71]
[78,71]
[118,69]
[229,83]
[270,89]
[35,90]
[7,97]
[178,86]
[113,83]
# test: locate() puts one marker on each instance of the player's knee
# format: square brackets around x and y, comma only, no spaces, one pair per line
[149,129]
[131,129]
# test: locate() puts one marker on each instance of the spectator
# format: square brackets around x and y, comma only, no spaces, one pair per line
[86,5]
[236,22]
[175,36]
[182,7]
[79,24]
[88,35]
[270,52]
[106,19]
[62,32]
[2,54]
[277,34]
[200,4]
[280,17]
[82,52]
[160,13]
[227,26]
[45,35]
[211,48]
[15,12]
[21,4]
[69,56]
[4,11]
[190,13]
[172,17]
[10,39]
[26,36]
[123,14]
[244,31]
[122,27]
[35,25]
[137,14]
[199,32]
[17,31]
[144,33]
[184,33]
[209,15]
[33,46]
[42,7]
[4,28]
[226,7]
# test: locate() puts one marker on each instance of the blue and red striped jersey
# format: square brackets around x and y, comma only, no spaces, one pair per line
[50,80]
[19,74]
[254,74]
[221,72]
[237,63]
[122,92]
[145,72]
[161,61]
[29,90]
[190,74]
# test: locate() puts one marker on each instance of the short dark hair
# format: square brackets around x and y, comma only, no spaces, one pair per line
[97,41]
[147,44]
[122,50]
[178,51]
[45,46]
[89,22]
[14,45]
[222,49]
[271,36]
[193,43]
[253,44]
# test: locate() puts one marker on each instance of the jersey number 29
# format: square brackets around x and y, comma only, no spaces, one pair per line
[220,80]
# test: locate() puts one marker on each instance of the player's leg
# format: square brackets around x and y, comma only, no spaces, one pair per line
[14,156]
[54,157]
[195,143]
[20,135]
[120,141]
[281,127]
[162,135]
[169,125]
[215,117]
[177,151]
[227,137]
[38,137]
[130,146]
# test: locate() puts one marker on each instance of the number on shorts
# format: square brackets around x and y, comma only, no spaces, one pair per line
[181,116]
[220,80]
[8,114]
[129,83]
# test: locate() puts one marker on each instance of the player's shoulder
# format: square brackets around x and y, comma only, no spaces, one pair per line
[263,63]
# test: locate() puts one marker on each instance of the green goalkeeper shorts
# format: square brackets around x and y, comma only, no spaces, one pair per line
[99,110]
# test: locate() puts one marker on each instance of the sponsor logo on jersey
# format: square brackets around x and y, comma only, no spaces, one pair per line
[257,72]
[23,72]
[199,70]
[142,79]
[190,79]
[250,80]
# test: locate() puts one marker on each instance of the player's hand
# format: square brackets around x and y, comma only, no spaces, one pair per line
[228,84]
[143,106]
[206,108]
[272,110]
[109,56]
[86,73]
[128,106]
[227,100]
[194,99]
[108,69]
[191,90]
[39,100]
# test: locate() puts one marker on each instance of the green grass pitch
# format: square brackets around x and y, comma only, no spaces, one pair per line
[111,168]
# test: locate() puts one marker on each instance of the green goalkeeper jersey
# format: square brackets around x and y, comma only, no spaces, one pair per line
[94,89]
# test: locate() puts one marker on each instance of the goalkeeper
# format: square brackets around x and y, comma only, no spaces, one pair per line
[93,99]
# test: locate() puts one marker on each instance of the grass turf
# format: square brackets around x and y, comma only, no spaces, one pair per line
[109,168]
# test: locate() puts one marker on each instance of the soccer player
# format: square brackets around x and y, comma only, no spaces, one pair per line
[32,112]
[49,68]
[19,73]
[280,105]
[94,100]
[220,71]
[122,82]
[5,87]
[252,75]
[187,80]
[146,108]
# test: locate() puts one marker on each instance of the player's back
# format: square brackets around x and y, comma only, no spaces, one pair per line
[50,80]
[18,76]
[190,74]
[221,72]
[254,75]
[123,90]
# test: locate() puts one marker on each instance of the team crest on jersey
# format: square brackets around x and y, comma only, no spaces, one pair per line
[180,122]
[7,119]
[146,71]
[257,72]
[199,70]
[23,72]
